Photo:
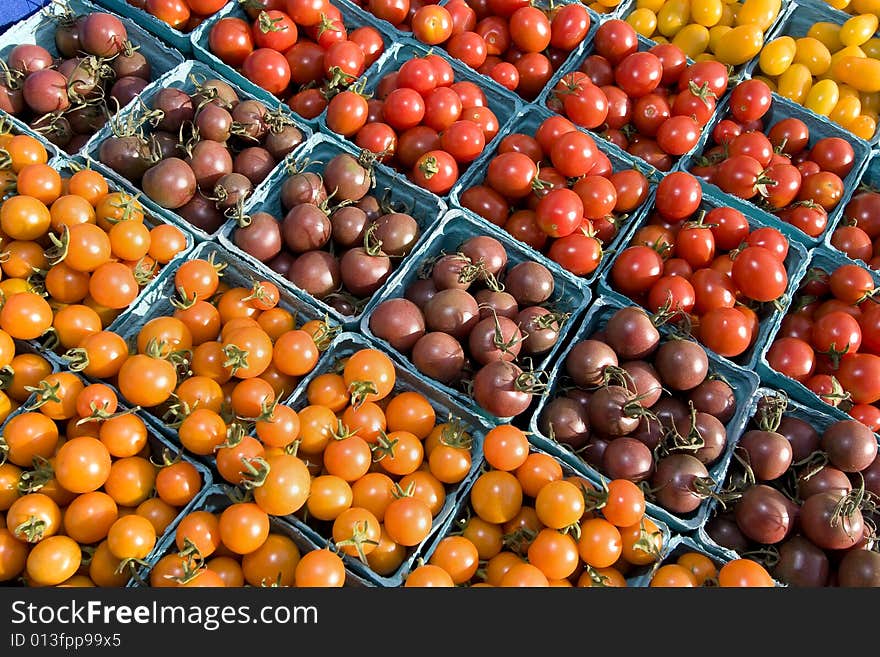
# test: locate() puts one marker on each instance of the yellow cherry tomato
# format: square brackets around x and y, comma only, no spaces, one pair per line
[740,45]
[653,5]
[674,15]
[843,53]
[858,29]
[870,102]
[5,406]
[822,97]
[795,83]
[865,7]
[871,48]
[770,83]
[716,34]
[847,91]
[813,54]
[863,126]
[706,12]
[777,56]
[827,33]
[693,40]
[847,110]
[728,15]
[758,12]
[859,72]
[643,21]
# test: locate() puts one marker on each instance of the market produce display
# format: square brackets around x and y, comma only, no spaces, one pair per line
[481,293]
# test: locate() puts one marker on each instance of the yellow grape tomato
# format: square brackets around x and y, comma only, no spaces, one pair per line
[827,33]
[706,12]
[795,83]
[693,39]
[813,54]
[863,126]
[643,21]
[740,45]
[716,34]
[847,110]
[653,5]
[859,72]
[758,12]
[674,15]
[858,29]
[777,56]
[822,97]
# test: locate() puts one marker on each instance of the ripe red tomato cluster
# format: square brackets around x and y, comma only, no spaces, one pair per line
[830,341]
[776,168]
[419,120]
[516,44]
[557,192]
[300,50]
[183,15]
[710,267]
[651,103]
[858,235]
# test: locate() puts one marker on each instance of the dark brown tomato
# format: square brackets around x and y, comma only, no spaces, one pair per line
[250,120]
[453,271]
[594,450]
[801,564]
[503,304]
[126,89]
[306,187]
[232,190]
[850,445]
[646,381]
[280,264]
[305,228]
[825,479]
[614,411]
[498,388]
[452,311]
[763,515]
[803,437]
[540,329]
[214,122]
[171,183]
[712,433]
[210,161]
[566,421]
[859,568]
[283,141]
[486,251]
[494,338]
[132,63]
[627,458]
[649,432]
[398,232]
[346,179]
[316,272]
[101,34]
[202,213]
[363,272]
[127,156]
[632,334]
[725,532]
[46,91]
[439,356]
[255,163]
[399,322]
[767,453]
[670,411]
[176,107]
[421,292]
[530,283]
[261,238]
[715,397]
[370,205]
[587,360]
[348,225]
[871,475]
[829,527]
[682,364]
[677,479]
